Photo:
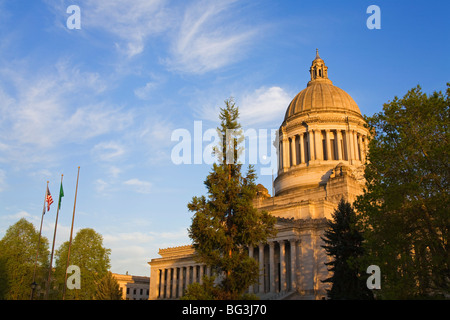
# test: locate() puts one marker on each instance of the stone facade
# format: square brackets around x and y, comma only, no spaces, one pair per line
[133,287]
[322,149]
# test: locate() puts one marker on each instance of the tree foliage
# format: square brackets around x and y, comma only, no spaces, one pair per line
[225,222]
[17,259]
[87,252]
[108,288]
[405,207]
[343,243]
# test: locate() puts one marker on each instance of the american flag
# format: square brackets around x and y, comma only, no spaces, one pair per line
[49,199]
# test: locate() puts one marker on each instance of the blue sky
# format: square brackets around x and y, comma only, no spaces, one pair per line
[107,97]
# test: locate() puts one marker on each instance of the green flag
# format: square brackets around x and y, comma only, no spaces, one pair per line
[61,194]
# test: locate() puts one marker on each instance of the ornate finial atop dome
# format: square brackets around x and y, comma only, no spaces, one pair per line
[318,70]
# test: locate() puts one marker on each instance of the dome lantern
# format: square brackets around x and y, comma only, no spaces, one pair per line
[318,70]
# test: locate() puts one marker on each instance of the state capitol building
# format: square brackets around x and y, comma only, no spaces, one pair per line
[322,148]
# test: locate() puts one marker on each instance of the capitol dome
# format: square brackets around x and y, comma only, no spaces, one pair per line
[323,128]
[321,95]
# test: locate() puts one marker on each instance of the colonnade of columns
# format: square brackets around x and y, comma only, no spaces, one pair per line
[279,267]
[322,144]
[173,281]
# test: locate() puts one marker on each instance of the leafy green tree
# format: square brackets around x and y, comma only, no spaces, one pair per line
[344,245]
[204,291]
[87,252]
[17,259]
[108,288]
[405,207]
[226,222]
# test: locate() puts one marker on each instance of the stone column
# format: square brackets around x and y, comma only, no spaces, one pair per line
[201,274]
[180,283]
[188,276]
[285,152]
[328,143]
[366,147]
[301,148]
[311,145]
[174,283]
[261,268]
[339,144]
[307,264]
[348,141]
[294,151]
[163,284]
[360,148]
[280,156]
[282,266]
[318,144]
[272,266]
[293,243]
[355,144]
[194,273]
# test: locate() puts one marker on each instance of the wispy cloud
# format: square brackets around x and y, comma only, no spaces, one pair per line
[130,23]
[2,180]
[108,151]
[139,185]
[201,35]
[43,109]
[133,250]
[210,36]
[262,106]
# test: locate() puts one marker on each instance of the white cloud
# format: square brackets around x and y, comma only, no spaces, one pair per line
[131,251]
[139,185]
[263,106]
[130,22]
[202,35]
[51,107]
[2,180]
[209,37]
[101,186]
[108,151]
[17,216]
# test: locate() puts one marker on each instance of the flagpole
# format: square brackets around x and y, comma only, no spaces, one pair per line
[71,232]
[53,245]
[33,284]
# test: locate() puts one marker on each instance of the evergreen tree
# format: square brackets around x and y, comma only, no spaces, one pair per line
[226,223]
[344,245]
[108,288]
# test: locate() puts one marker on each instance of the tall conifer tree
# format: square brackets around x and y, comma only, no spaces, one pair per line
[344,245]
[225,223]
